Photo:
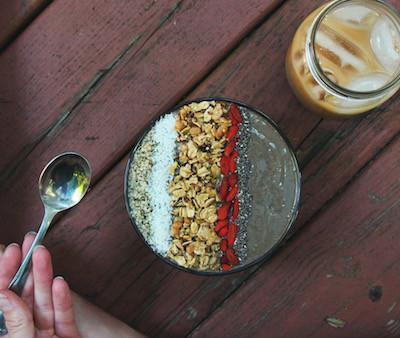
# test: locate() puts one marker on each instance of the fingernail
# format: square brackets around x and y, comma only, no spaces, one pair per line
[5,304]
[39,247]
[60,278]
[31,233]
[14,244]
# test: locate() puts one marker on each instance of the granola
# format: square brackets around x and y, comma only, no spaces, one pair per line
[201,128]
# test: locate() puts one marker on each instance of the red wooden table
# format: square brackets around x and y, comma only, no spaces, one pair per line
[90,75]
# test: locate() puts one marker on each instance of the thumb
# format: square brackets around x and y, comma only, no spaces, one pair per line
[17,316]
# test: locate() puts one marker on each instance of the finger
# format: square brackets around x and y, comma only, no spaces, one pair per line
[9,264]
[2,249]
[64,317]
[28,240]
[43,280]
[17,316]
[27,292]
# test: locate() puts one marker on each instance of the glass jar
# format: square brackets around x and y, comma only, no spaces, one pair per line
[344,59]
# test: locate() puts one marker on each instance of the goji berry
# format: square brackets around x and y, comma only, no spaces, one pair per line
[232,132]
[221,224]
[232,232]
[224,188]
[225,164]
[232,194]
[225,267]
[234,113]
[233,179]
[223,232]
[229,148]
[223,211]
[224,245]
[232,258]
[232,118]
[224,260]
[232,164]
[235,211]
[234,122]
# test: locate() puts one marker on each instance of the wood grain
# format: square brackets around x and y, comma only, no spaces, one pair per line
[348,150]
[142,84]
[329,269]
[15,15]
[58,59]
[192,298]
[96,241]
[376,131]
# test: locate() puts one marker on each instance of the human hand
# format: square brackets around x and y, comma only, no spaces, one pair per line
[45,307]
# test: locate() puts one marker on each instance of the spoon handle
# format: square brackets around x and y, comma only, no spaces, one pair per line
[18,282]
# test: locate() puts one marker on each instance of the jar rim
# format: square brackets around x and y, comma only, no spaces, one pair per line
[318,73]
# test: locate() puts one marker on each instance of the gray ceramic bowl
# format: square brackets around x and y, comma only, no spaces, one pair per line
[274,184]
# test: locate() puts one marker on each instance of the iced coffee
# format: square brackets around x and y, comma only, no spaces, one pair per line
[345,57]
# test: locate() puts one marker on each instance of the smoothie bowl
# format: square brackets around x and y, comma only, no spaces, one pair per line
[212,187]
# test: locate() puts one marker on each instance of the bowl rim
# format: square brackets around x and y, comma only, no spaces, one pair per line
[296,204]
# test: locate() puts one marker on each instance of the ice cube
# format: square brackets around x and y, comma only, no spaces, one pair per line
[352,13]
[385,43]
[363,83]
[343,49]
[368,82]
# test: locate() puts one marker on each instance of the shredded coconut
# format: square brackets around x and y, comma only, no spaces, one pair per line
[164,135]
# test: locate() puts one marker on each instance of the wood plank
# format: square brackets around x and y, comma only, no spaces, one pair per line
[329,269]
[199,298]
[192,298]
[350,148]
[138,88]
[143,276]
[56,61]
[15,16]
[155,309]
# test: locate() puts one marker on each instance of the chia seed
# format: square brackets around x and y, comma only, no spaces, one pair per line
[244,170]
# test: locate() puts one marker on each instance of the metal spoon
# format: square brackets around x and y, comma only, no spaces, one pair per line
[62,184]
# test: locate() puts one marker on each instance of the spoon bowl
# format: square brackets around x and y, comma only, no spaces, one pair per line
[64,181]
